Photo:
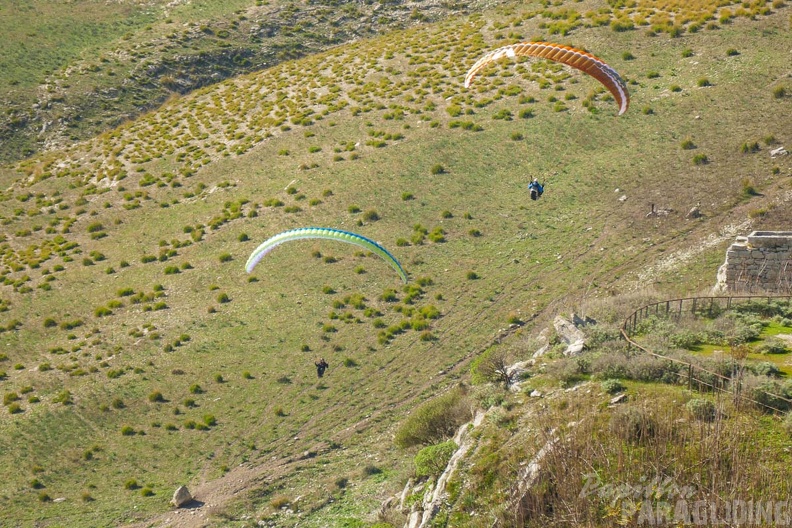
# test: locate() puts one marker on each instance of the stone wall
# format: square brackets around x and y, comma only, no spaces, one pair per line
[758,263]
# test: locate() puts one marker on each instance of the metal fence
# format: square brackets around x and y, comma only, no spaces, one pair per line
[694,375]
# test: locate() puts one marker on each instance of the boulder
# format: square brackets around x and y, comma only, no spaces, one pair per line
[570,334]
[181,497]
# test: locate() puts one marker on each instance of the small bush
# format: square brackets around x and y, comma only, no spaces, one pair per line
[747,188]
[434,420]
[612,386]
[703,82]
[633,424]
[225,257]
[779,92]
[701,409]
[437,169]
[156,397]
[700,159]
[432,460]
[281,501]
[127,430]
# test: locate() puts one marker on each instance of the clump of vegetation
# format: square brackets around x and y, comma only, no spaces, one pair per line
[432,460]
[701,409]
[435,420]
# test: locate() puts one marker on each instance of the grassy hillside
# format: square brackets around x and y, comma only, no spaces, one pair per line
[143,357]
[74,69]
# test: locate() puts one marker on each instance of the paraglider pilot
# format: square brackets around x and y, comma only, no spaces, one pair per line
[536,189]
[321,366]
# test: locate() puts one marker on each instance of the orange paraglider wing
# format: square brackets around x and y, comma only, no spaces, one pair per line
[583,61]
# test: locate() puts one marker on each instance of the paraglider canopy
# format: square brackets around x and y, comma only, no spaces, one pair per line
[570,56]
[328,234]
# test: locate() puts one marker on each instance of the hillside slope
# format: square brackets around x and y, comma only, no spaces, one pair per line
[143,357]
[74,69]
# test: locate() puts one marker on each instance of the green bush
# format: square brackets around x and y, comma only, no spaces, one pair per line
[773,346]
[701,409]
[612,386]
[435,420]
[127,430]
[432,460]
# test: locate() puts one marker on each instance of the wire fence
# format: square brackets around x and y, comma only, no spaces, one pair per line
[694,375]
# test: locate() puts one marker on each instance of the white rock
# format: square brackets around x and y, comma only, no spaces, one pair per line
[181,497]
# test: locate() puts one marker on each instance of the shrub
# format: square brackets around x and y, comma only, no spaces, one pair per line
[747,188]
[701,409]
[281,501]
[127,430]
[63,397]
[703,82]
[773,346]
[131,484]
[612,386]
[225,257]
[633,424]
[437,169]
[432,460]
[196,389]
[700,159]
[767,393]
[156,397]
[779,92]
[765,368]
[223,298]
[435,420]
[687,144]
[371,216]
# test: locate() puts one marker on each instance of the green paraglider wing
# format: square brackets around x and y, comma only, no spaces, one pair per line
[328,234]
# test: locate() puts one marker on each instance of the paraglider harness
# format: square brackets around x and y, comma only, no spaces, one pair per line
[536,189]
[321,365]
